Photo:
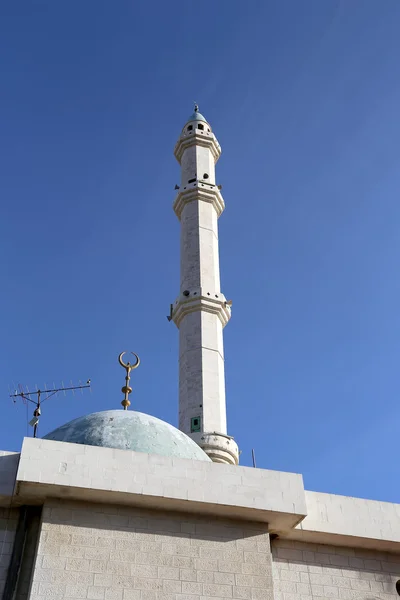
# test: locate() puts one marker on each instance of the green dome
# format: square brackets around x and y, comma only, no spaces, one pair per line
[196,116]
[128,430]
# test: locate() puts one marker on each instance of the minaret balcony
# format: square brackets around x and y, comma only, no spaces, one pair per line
[205,192]
[197,137]
[200,300]
[219,447]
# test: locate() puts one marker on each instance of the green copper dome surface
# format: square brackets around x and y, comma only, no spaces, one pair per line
[196,116]
[128,430]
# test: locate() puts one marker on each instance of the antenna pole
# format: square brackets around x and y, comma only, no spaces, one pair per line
[253,455]
[36,413]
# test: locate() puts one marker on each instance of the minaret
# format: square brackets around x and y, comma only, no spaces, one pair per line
[201,311]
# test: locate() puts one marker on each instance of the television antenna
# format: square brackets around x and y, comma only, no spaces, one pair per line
[38,398]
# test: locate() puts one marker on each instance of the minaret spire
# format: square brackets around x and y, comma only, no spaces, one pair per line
[201,311]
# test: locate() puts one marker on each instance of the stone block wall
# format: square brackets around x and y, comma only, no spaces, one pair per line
[103,552]
[304,571]
[8,526]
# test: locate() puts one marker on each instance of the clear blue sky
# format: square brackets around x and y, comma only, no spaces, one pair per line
[304,98]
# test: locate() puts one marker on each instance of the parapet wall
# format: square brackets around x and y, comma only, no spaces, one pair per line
[346,521]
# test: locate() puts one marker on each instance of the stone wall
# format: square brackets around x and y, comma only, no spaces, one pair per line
[8,526]
[104,552]
[306,571]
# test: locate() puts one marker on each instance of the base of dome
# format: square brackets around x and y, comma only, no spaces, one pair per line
[128,430]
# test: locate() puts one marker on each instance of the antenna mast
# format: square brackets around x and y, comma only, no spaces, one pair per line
[38,401]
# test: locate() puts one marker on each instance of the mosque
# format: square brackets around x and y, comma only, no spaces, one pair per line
[119,505]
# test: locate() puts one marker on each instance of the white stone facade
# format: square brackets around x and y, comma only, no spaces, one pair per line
[201,310]
[309,571]
[342,520]
[105,552]
[123,525]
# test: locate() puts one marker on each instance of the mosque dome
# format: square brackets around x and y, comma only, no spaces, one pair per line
[196,116]
[128,430]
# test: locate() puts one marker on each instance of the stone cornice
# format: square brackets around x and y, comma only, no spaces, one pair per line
[200,300]
[197,138]
[199,191]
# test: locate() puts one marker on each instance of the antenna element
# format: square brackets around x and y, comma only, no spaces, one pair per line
[26,397]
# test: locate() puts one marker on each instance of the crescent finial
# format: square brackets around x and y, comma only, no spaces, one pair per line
[128,364]
[128,367]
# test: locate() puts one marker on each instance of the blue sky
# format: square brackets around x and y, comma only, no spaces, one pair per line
[304,98]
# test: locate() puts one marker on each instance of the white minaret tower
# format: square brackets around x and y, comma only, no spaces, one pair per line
[201,311]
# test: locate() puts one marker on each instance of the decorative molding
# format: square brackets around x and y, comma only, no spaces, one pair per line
[188,304]
[201,192]
[197,138]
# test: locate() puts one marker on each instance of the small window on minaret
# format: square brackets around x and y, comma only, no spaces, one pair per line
[200,126]
[205,176]
[190,127]
[194,424]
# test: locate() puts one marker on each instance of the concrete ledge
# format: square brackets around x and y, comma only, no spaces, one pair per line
[346,521]
[74,471]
